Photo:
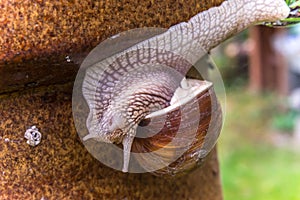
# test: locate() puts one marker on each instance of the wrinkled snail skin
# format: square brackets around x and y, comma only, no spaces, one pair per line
[215,25]
[147,89]
[130,86]
[209,28]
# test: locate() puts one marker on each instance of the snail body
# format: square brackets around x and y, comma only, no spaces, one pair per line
[148,89]
[146,82]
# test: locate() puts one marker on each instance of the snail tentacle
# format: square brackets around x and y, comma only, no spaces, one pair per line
[127,144]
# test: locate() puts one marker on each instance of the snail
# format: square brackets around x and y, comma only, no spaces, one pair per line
[141,98]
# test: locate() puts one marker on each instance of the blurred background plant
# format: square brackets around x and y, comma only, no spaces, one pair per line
[259,161]
[285,122]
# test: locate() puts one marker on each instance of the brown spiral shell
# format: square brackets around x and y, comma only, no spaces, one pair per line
[178,133]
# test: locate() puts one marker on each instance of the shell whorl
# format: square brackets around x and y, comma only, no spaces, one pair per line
[123,89]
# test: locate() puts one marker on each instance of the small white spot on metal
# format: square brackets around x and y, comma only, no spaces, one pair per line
[33,136]
[68,59]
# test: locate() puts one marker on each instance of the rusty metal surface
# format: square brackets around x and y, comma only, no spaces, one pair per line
[61,168]
[36,37]
[51,38]
[31,29]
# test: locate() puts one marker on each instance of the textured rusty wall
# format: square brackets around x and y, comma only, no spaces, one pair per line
[61,168]
[36,36]
[31,29]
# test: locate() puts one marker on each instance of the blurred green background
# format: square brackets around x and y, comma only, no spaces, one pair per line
[252,167]
[259,158]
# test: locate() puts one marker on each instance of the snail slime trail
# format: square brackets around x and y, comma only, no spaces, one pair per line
[146,84]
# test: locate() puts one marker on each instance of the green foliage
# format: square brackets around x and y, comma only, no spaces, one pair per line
[293,3]
[295,7]
[261,172]
[285,121]
[292,19]
[251,167]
